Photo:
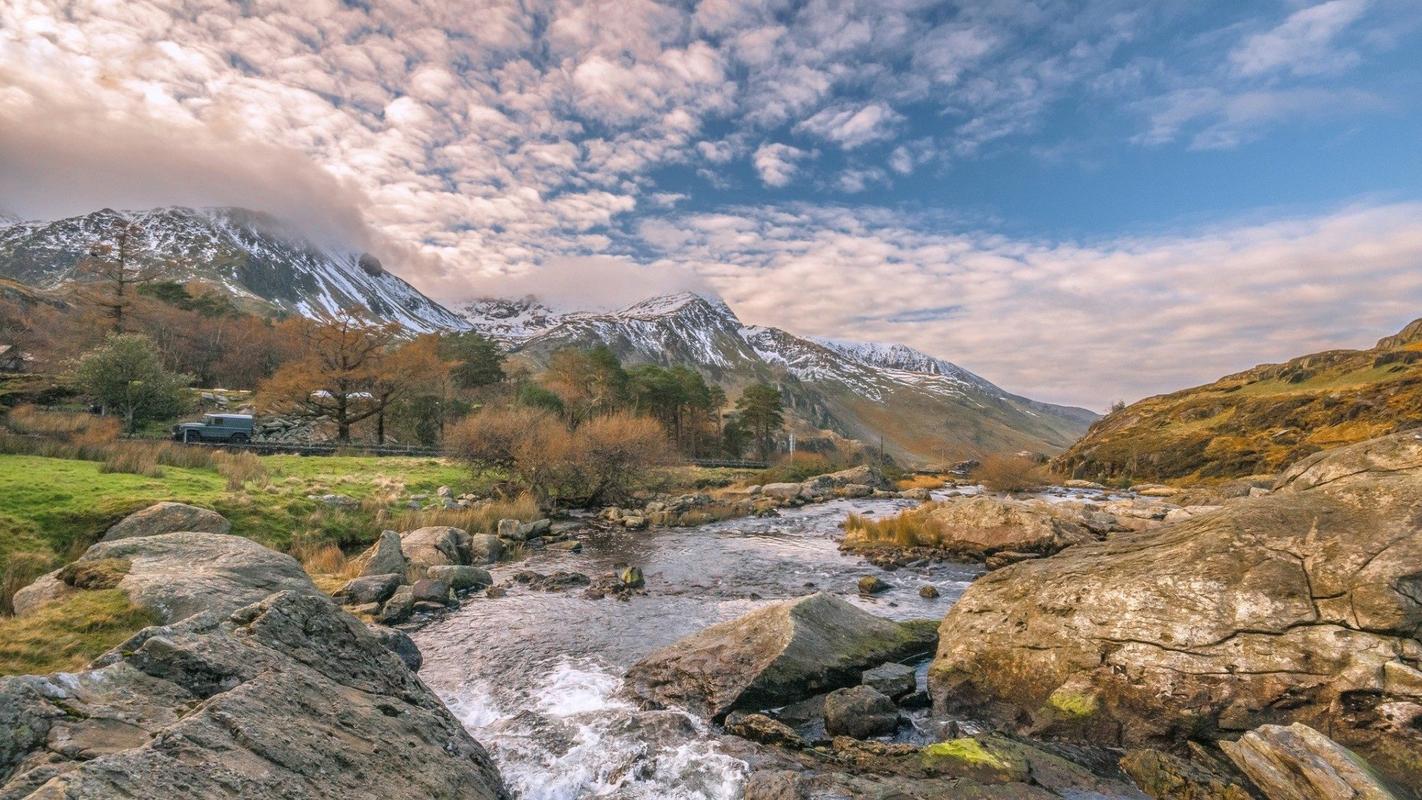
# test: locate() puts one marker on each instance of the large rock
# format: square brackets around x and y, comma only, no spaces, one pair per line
[1303,605]
[980,526]
[1299,763]
[485,548]
[435,545]
[286,698]
[860,712]
[385,557]
[176,575]
[168,518]
[777,654]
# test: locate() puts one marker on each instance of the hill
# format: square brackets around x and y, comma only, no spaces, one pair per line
[1259,420]
[925,409]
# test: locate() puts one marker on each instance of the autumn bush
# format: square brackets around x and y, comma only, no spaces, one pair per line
[1003,473]
[602,460]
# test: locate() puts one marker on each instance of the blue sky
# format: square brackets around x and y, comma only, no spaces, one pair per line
[1082,201]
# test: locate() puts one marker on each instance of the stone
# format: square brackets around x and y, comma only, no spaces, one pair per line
[288,697]
[1168,777]
[485,548]
[535,529]
[399,643]
[762,729]
[775,655]
[369,589]
[928,592]
[872,584]
[1077,483]
[856,490]
[1296,762]
[384,557]
[773,784]
[1271,610]
[782,491]
[427,590]
[860,712]
[461,577]
[337,501]
[510,529]
[570,545]
[435,545]
[634,522]
[892,679]
[398,608]
[632,578]
[168,518]
[444,491]
[176,575]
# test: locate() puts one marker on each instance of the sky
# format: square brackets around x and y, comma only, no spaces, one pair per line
[1081,201]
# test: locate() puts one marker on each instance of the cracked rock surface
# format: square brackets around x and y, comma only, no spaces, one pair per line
[287,698]
[1301,606]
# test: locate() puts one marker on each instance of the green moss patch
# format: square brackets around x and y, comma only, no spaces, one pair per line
[1073,705]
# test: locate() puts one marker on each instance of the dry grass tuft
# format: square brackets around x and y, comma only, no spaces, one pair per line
[912,528]
[240,468]
[67,634]
[322,559]
[138,458]
[482,518]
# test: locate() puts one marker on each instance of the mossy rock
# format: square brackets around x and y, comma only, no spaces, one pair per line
[101,573]
[1067,704]
[986,760]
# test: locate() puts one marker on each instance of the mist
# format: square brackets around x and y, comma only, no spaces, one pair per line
[590,283]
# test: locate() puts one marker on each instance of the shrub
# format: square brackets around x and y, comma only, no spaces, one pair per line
[615,453]
[488,439]
[1003,473]
[239,468]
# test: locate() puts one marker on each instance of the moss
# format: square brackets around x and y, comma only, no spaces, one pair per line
[103,573]
[1073,705]
[967,750]
[67,634]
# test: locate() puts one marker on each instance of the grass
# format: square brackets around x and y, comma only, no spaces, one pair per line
[52,509]
[912,528]
[68,634]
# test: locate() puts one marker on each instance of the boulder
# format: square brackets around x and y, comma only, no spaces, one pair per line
[862,475]
[980,526]
[1299,763]
[289,697]
[399,643]
[535,529]
[461,577]
[176,575]
[860,712]
[1168,777]
[856,490]
[763,729]
[398,608]
[928,592]
[436,545]
[168,518]
[485,548]
[775,655]
[369,589]
[892,679]
[510,529]
[872,584]
[427,590]
[782,491]
[1300,606]
[384,557]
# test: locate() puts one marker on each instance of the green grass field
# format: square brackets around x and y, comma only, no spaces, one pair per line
[58,507]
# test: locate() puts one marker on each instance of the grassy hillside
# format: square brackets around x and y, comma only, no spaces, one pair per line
[1260,420]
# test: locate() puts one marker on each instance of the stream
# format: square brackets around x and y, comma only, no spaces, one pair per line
[536,676]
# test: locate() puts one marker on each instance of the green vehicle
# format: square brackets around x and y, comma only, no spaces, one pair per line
[231,428]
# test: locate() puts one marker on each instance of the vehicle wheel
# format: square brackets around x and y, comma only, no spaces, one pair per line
[238,438]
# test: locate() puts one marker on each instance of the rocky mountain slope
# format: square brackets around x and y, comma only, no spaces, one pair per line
[924,408]
[1259,420]
[249,255]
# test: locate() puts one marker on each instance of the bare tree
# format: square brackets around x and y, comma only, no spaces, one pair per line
[113,271]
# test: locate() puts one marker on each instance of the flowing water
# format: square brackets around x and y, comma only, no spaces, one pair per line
[536,676]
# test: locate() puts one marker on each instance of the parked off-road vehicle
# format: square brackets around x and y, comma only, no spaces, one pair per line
[234,428]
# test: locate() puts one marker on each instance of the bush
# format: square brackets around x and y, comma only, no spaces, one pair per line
[602,460]
[1011,474]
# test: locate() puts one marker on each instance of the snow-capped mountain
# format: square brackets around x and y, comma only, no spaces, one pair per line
[247,254]
[924,408]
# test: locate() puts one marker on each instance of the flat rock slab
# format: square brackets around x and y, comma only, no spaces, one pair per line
[778,654]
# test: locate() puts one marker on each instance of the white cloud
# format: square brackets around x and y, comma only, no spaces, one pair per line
[1304,43]
[1221,120]
[776,162]
[1063,321]
[853,126]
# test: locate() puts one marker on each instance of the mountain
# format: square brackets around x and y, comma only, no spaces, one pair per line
[1259,420]
[925,409]
[251,256]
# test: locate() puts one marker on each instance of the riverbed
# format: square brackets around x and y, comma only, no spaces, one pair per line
[536,676]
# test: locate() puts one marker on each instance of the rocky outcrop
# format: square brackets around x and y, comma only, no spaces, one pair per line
[176,575]
[289,697]
[168,518]
[977,528]
[1299,763]
[777,654]
[1303,605]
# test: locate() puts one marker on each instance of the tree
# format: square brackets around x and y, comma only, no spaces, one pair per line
[589,382]
[415,368]
[342,373]
[114,271]
[126,377]
[761,414]
[477,359]
[734,438]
